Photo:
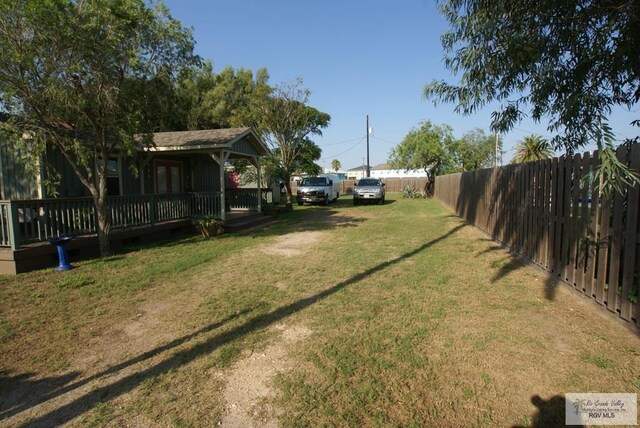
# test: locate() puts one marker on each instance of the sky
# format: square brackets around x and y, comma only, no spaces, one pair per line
[357,58]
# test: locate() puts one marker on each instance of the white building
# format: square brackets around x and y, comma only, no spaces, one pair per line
[383,171]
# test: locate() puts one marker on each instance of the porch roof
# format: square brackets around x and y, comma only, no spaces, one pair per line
[208,139]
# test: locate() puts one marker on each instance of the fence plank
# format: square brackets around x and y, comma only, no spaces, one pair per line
[604,216]
[592,228]
[566,217]
[631,241]
[613,300]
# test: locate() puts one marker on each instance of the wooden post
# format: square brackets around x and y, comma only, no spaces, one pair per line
[142,165]
[221,159]
[256,163]
[14,226]
[152,209]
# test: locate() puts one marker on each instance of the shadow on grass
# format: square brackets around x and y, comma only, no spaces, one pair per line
[312,218]
[27,393]
[550,413]
[517,262]
[82,404]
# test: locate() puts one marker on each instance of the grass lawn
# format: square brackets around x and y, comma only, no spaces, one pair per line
[392,315]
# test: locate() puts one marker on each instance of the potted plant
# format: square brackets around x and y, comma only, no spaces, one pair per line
[209,225]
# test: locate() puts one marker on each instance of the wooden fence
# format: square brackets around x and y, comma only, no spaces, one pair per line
[550,213]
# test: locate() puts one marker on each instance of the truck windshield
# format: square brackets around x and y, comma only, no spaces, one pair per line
[368,183]
[314,181]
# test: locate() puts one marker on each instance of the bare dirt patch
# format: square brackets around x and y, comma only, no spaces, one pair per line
[292,244]
[248,385]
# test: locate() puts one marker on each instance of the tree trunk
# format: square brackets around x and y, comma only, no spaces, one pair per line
[104,228]
[287,185]
[102,214]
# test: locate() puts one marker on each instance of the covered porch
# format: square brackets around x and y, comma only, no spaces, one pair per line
[176,184]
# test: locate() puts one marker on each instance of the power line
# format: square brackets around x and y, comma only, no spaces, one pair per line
[341,142]
[382,139]
[346,151]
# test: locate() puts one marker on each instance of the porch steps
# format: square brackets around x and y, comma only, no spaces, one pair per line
[245,220]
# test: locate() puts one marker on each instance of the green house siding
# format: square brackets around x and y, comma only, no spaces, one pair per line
[205,174]
[69,185]
[130,182]
[16,182]
[245,147]
[199,173]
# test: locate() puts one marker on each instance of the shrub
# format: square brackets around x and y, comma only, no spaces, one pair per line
[209,225]
[412,192]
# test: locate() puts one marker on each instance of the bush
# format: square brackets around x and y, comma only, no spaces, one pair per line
[412,192]
[209,225]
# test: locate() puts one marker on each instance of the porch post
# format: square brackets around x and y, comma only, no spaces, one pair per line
[13,225]
[142,165]
[221,159]
[256,161]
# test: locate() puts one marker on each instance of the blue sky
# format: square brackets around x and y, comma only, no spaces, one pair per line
[356,57]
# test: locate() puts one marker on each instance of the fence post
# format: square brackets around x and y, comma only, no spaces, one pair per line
[14,226]
[152,209]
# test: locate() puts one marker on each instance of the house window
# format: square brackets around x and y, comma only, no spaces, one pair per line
[168,177]
[113,177]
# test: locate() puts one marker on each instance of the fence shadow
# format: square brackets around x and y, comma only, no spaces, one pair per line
[27,393]
[85,402]
[551,214]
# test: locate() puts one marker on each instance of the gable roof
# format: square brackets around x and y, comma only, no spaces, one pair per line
[376,167]
[205,140]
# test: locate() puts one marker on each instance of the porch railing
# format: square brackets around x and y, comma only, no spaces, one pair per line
[240,198]
[37,220]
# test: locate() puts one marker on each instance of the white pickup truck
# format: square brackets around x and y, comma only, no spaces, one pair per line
[319,190]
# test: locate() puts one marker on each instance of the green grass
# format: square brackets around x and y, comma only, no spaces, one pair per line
[411,325]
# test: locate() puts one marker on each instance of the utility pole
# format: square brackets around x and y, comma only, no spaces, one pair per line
[368,167]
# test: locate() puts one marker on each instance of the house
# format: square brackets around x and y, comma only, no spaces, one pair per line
[180,177]
[356,173]
[383,171]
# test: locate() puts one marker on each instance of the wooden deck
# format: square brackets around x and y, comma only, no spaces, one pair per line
[42,255]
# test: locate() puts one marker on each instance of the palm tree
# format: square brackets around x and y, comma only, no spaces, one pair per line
[336,165]
[532,148]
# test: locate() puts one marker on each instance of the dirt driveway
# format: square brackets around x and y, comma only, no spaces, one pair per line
[314,320]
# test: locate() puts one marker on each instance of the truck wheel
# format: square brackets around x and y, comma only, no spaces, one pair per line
[355,202]
[326,201]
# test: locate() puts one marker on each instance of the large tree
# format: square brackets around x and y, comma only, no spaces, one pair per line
[287,124]
[475,150]
[86,76]
[426,148]
[208,100]
[567,62]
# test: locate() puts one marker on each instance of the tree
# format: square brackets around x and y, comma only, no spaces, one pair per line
[475,150]
[85,77]
[426,148]
[336,165]
[565,61]
[532,148]
[286,123]
[206,100]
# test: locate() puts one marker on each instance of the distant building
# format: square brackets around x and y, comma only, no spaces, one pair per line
[339,173]
[356,173]
[383,171]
